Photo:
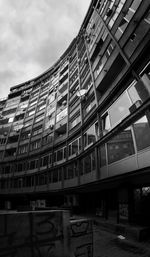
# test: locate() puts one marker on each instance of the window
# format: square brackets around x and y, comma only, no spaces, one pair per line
[3,141]
[120,146]
[51,97]
[31,112]
[23,149]
[128,102]
[49,123]
[105,120]
[33,103]
[120,109]
[89,163]
[35,145]
[39,118]
[138,92]
[102,154]
[126,19]
[75,122]
[147,18]
[33,164]
[70,169]
[20,167]
[37,131]
[25,135]
[104,59]
[41,107]
[61,115]
[90,136]
[75,147]
[44,161]
[60,155]
[47,139]
[90,106]
[142,132]
[117,11]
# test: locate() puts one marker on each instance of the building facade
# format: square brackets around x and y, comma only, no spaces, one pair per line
[79,134]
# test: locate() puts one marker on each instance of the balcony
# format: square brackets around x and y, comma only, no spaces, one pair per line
[110,71]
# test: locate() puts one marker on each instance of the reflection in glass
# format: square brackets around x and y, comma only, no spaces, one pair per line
[81,166]
[75,147]
[138,92]
[142,132]
[87,164]
[120,109]
[90,136]
[93,161]
[120,146]
[102,153]
[105,124]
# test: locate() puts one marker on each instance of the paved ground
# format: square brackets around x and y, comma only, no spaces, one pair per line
[107,244]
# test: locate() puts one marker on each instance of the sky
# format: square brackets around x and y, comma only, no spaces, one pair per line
[33,35]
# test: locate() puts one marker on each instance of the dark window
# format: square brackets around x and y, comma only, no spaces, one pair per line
[81,166]
[60,155]
[55,175]
[142,132]
[102,153]
[87,164]
[120,146]
[20,167]
[70,171]
[45,160]
[93,161]
[75,147]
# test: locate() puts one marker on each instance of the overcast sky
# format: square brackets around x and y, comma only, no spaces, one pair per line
[33,35]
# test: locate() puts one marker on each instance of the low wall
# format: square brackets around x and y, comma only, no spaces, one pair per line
[81,238]
[45,234]
[34,234]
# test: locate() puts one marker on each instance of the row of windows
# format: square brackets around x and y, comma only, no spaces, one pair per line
[131,140]
[74,169]
[129,100]
[126,143]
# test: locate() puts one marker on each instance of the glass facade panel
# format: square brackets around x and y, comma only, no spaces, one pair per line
[120,146]
[75,147]
[90,136]
[142,132]
[93,161]
[120,109]
[87,164]
[138,92]
[102,153]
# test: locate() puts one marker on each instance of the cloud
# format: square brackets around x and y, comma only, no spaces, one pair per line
[34,34]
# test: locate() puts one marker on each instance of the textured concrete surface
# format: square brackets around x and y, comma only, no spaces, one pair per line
[107,244]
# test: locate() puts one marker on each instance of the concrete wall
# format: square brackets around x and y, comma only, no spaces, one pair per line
[34,234]
[44,234]
[81,238]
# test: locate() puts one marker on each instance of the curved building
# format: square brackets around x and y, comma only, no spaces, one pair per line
[79,134]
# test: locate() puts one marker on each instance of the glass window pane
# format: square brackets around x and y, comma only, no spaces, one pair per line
[120,109]
[93,161]
[60,155]
[138,92]
[102,151]
[75,147]
[90,136]
[70,171]
[81,166]
[120,146]
[142,132]
[105,123]
[87,164]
